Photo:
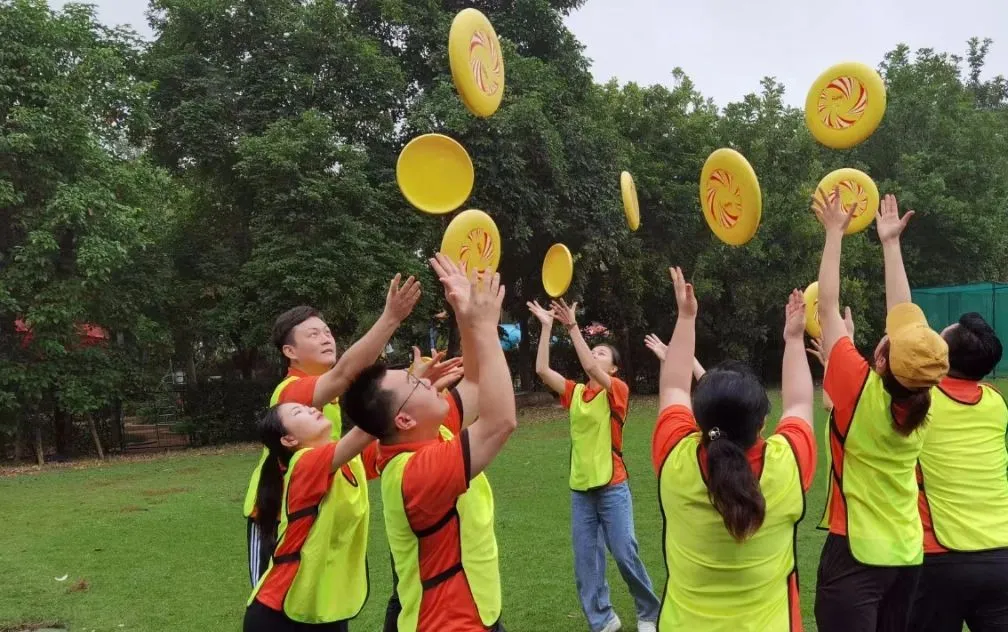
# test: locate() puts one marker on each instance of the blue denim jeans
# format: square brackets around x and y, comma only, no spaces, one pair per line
[599,519]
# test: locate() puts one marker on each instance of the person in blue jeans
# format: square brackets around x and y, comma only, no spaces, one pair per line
[601,506]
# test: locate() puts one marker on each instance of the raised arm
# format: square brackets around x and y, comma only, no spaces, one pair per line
[349,446]
[677,368]
[890,226]
[659,348]
[468,389]
[567,314]
[553,380]
[498,419]
[835,220]
[797,392]
[398,304]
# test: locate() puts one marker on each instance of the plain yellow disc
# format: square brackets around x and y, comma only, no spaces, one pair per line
[730,196]
[845,105]
[630,205]
[557,270]
[856,187]
[477,64]
[812,325]
[473,242]
[435,173]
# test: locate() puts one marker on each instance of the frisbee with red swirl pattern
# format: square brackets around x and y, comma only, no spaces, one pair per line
[473,242]
[857,189]
[845,105]
[730,197]
[477,64]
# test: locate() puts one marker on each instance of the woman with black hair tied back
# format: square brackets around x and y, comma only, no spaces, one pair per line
[871,562]
[730,500]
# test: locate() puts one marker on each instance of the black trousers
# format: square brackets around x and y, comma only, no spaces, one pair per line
[957,588]
[261,543]
[854,597]
[259,618]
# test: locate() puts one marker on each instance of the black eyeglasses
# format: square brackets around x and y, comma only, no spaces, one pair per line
[417,383]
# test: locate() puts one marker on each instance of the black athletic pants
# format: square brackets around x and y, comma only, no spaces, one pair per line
[957,588]
[260,549]
[853,597]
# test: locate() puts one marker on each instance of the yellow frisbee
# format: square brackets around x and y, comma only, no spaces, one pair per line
[557,270]
[630,205]
[435,173]
[730,196]
[477,65]
[857,188]
[845,105]
[473,242]
[812,325]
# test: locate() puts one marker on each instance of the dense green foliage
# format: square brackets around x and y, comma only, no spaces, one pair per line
[179,193]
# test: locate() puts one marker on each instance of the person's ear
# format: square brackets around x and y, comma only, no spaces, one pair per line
[290,353]
[289,442]
[404,422]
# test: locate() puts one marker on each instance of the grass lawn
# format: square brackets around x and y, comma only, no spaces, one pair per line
[158,545]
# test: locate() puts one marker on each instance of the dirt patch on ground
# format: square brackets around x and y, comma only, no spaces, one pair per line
[132,509]
[84,464]
[79,586]
[32,626]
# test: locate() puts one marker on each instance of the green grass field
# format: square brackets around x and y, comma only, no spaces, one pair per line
[159,544]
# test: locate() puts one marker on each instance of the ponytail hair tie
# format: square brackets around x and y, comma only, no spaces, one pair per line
[714,433]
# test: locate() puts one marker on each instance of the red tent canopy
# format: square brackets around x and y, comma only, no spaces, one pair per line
[90,334]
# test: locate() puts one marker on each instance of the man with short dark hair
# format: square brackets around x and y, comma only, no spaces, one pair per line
[963,499]
[315,378]
[438,506]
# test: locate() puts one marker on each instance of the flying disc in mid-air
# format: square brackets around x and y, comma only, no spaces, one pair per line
[435,173]
[845,105]
[630,205]
[557,270]
[730,196]
[473,242]
[857,189]
[477,65]
[812,325]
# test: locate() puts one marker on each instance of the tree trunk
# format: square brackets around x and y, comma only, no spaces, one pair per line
[39,456]
[117,426]
[94,436]
[19,439]
[61,432]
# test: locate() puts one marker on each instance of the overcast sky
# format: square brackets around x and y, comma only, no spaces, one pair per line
[727,46]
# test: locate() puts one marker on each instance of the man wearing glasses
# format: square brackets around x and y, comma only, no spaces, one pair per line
[438,506]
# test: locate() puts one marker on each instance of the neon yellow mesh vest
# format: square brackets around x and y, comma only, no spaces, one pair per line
[331,583]
[718,584]
[332,411]
[591,461]
[479,544]
[879,484]
[964,463]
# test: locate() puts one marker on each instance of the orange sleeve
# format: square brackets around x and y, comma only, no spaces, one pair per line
[846,373]
[370,458]
[568,394]
[675,423]
[433,480]
[453,420]
[619,398]
[299,391]
[311,479]
[803,442]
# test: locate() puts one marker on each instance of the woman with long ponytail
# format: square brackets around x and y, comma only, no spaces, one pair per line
[871,562]
[731,500]
[271,481]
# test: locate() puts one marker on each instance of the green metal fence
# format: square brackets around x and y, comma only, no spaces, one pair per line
[944,305]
